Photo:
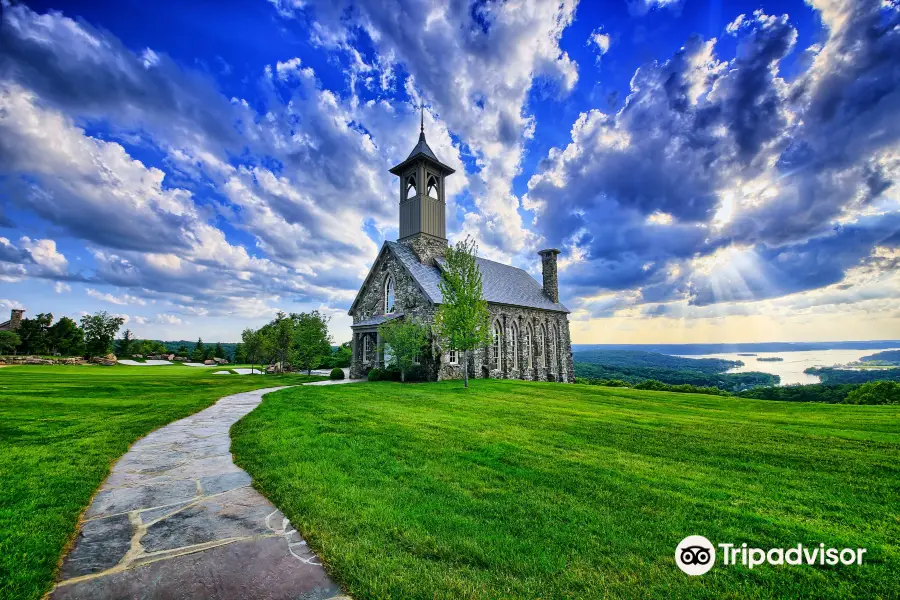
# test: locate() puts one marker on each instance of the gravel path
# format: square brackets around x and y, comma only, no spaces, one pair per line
[178,519]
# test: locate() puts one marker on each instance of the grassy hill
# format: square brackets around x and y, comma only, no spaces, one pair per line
[531,490]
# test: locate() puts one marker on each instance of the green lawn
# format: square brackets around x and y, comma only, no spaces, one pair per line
[524,490]
[61,428]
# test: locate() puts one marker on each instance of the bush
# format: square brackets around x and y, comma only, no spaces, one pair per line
[392,373]
[875,392]
[336,373]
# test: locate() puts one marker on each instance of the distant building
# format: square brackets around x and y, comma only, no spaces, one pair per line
[15,320]
[529,325]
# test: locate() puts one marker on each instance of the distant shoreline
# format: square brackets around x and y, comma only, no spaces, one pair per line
[688,349]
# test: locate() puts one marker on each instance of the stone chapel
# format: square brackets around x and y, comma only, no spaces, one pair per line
[530,326]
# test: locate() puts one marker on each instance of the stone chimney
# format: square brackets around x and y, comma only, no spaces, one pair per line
[551,281]
[15,320]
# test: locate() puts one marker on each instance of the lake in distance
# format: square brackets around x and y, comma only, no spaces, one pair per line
[791,369]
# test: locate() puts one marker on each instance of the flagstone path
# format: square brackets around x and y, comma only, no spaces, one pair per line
[176,518]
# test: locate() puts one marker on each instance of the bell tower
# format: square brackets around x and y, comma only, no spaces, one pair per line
[423,224]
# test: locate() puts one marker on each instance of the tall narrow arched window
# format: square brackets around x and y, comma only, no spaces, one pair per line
[410,187]
[432,188]
[497,338]
[515,345]
[529,341]
[544,346]
[555,349]
[389,294]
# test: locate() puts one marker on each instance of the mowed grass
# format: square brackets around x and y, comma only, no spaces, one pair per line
[61,428]
[530,490]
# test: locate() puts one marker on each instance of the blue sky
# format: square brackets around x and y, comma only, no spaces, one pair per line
[711,171]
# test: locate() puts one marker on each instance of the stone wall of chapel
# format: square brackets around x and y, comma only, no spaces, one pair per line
[408,299]
[553,365]
[411,301]
[425,247]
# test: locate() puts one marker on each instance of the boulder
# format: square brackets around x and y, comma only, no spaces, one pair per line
[170,357]
[107,361]
[137,356]
[36,360]
[181,359]
[221,361]
[209,361]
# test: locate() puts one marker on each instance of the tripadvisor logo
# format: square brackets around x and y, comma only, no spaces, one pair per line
[696,555]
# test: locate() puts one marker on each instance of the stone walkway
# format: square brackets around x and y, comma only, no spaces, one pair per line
[178,519]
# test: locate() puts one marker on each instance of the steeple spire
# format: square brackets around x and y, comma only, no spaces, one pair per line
[422,199]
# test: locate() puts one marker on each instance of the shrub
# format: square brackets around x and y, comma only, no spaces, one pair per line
[875,392]
[377,374]
[336,374]
[416,373]
[392,373]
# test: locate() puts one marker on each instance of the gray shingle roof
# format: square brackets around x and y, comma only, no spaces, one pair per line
[503,284]
[428,277]
[423,148]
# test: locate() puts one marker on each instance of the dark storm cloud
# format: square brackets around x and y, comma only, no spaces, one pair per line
[85,71]
[11,254]
[695,132]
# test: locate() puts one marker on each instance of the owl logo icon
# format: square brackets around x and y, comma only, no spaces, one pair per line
[695,555]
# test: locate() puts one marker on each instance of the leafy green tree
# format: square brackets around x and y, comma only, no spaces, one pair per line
[219,351]
[342,356]
[8,341]
[253,346]
[34,334]
[199,353]
[182,350]
[311,341]
[100,331]
[463,318]
[240,356]
[126,344]
[406,340]
[66,337]
[281,338]
[875,392]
